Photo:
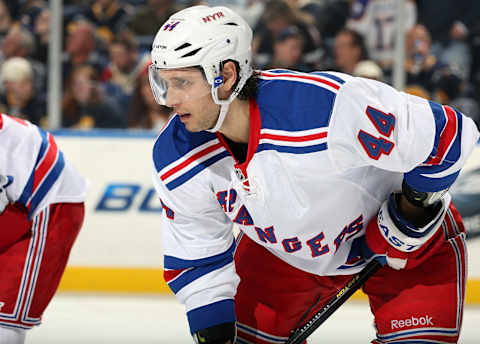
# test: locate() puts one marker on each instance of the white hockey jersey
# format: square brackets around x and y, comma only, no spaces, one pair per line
[375,21]
[325,150]
[37,172]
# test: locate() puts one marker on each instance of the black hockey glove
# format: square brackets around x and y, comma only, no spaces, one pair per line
[218,334]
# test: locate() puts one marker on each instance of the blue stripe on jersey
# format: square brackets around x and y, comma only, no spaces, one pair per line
[175,141]
[27,190]
[174,263]
[440,122]
[210,315]
[196,170]
[419,178]
[330,76]
[290,149]
[294,105]
[48,182]
[418,332]
[188,276]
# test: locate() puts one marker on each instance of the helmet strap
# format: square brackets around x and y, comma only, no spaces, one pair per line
[221,117]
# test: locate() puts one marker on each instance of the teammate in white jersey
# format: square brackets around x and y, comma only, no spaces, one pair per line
[309,166]
[41,212]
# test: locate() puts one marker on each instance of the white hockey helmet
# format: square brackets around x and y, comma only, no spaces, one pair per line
[206,37]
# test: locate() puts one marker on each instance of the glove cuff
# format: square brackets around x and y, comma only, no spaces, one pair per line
[402,235]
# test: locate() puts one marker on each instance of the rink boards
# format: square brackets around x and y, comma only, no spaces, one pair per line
[119,248]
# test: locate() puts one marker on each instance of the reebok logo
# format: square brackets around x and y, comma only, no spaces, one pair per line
[1,305]
[426,320]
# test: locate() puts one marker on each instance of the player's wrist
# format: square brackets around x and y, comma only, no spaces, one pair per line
[218,334]
[422,199]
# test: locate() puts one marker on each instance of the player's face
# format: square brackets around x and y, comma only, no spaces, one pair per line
[189,94]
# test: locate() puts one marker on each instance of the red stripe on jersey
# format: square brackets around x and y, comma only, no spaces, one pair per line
[46,164]
[190,160]
[294,138]
[19,120]
[447,136]
[169,275]
[1,121]
[299,76]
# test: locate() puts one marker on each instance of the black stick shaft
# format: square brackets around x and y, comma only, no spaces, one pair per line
[301,333]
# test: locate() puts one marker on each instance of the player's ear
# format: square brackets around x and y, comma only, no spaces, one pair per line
[230,75]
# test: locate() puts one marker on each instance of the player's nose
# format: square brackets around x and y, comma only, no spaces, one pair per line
[172,99]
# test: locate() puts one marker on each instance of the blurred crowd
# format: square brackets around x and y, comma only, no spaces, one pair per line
[106,51]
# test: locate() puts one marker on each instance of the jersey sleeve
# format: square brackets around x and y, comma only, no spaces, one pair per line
[198,252]
[40,175]
[373,124]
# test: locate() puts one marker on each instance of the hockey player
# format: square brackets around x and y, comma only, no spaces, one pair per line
[41,212]
[320,172]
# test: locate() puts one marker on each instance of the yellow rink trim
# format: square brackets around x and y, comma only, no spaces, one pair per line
[150,280]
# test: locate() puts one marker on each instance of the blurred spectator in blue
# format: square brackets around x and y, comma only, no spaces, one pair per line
[19,98]
[348,50]
[375,20]
[451,89]
[109,17]
[287,51]
[20,42]
[81,48]
[148,18]
[6,20]
[84,104]
[30,10]
[277,17]
[144,112]
[421,65]
[449,23]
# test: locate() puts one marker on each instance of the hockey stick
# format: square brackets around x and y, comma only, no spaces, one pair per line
[301,333]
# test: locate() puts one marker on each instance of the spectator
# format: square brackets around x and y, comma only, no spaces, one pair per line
[20,42]
[368,69]
[287,51]
[449,23]
[420,65]
[85,106]
[146,20]
[109,17]
[19,98]
[144,111]
[5,20]
[452,89]
[330,15]
[278,16]
[349,49]
[375,20]
[124,62]
[81,48]
[41,31]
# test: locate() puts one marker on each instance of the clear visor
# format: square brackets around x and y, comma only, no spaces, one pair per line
[175,86]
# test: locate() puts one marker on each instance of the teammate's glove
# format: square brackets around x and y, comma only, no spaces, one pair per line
[4,182]
[392,240]
[218,334]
